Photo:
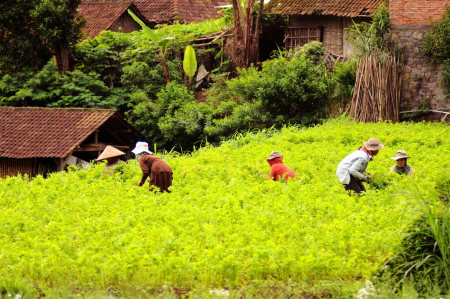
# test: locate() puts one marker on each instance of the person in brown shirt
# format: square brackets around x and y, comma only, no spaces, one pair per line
[159,171]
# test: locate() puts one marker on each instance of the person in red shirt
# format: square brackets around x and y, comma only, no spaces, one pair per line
[278,169]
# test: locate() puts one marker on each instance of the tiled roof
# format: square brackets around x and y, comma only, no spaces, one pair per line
[164,11]
[195,11]
[101,15]
[342,8]
[157,11]
[34,132]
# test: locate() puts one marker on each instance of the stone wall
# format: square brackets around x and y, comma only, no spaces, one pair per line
[421,78]
[409,21]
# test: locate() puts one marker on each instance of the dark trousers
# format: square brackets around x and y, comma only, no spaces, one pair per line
[355,185]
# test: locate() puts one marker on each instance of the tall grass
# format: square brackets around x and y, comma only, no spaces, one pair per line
[423,260]
[435,264]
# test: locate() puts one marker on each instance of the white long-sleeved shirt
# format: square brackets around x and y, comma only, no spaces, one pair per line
[354,164]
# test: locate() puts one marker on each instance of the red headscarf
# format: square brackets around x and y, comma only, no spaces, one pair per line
[274,161]
[367,152]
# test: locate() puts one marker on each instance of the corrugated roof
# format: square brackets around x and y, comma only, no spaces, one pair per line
[342,8]
[101,15]
[33,132]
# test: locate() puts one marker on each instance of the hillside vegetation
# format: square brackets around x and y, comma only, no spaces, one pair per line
[224,225]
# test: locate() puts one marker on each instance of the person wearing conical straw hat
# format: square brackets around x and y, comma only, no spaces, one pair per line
[111,155]
[278,170]
[159,171]
[351,172]
[402,166]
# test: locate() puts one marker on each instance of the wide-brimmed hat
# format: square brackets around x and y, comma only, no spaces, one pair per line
[275,154]
[400,155]
[141,147]
[110,152]
[373,144]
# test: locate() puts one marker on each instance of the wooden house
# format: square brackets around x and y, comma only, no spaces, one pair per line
[36,140]
[112,16]
[322,20]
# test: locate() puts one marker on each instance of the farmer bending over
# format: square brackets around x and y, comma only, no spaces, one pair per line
[352,170]
[402,166]
[159,171]
[110,154]
[278,169]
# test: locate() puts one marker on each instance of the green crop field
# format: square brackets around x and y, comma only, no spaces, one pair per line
[224,225]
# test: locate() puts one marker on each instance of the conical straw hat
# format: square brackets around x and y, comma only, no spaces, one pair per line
[110,152]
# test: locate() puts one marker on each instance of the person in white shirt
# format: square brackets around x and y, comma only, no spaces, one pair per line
[351,172]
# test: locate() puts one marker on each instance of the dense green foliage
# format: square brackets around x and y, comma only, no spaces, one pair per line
[422,259]
[124,72]
[50,88]
[31,30]
[367,37]
[436,45]
[345,76]
[224,224]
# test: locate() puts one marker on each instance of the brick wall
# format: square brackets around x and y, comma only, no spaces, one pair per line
[416,12]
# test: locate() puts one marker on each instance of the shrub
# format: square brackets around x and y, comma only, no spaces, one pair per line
[174,118]
[423,257]
[288,91]
[313,51]
[345,76]
[435,44]
[366,37]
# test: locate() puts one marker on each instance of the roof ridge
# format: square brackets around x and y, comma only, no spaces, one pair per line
[176,8]
[107,2]
[57,108]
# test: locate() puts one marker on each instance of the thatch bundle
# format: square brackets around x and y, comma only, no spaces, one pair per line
[377,89]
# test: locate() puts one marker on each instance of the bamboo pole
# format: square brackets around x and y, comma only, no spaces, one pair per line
[377,89]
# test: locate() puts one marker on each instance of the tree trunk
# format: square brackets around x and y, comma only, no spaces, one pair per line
[166,71]
[237,16]
[248,25]
[245,34]
[62,47]
[253,55]
[63,55]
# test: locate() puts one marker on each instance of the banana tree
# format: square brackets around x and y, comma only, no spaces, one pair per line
[246,30]
[189,63]
[162,43]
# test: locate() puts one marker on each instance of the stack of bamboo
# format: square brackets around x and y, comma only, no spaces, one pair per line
[377,89]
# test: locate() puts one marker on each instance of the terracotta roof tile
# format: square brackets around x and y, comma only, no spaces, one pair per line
[343,8]
[164,11]
[34,132]
[197,11]
[101,15]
